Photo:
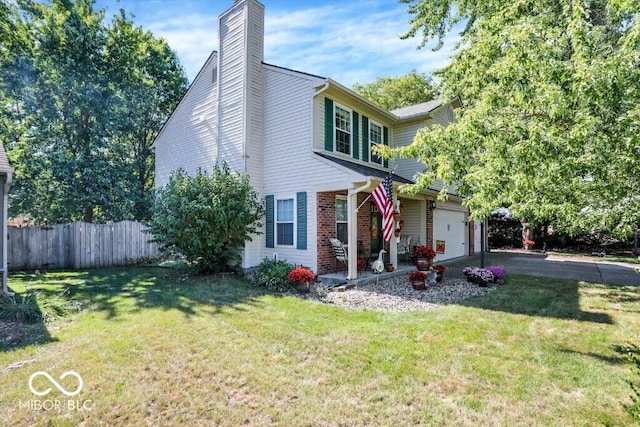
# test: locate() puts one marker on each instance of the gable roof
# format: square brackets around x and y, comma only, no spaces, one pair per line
[5,168]
[417,110]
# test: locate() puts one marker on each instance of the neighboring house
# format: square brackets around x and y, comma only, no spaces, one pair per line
[305,141]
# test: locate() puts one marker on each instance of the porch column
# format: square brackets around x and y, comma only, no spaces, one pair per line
[352,229]
[393,243]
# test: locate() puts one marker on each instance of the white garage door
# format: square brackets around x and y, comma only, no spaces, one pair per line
[449,227]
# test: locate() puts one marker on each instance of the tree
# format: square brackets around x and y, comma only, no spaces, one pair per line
[397,92]
[550,124]
[148,81]
[75,122]
[206,218]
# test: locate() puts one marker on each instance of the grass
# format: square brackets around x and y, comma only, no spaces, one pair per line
[155,347]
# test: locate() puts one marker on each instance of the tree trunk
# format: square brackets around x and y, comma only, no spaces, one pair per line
[88,214]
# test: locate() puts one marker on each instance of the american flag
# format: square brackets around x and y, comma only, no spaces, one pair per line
[383,197]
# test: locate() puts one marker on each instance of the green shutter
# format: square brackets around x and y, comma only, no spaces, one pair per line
[269,221]
[365,138]
[301,200]
[328,124]
[355,140]
[385,141]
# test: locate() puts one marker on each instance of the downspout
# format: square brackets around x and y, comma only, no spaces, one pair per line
[352,226]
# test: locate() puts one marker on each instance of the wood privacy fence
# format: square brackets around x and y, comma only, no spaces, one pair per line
[78,245]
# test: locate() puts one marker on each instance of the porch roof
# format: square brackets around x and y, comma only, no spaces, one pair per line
[366,171]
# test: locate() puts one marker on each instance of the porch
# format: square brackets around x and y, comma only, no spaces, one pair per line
[364,276]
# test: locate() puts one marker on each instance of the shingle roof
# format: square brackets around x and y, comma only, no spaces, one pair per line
[4,163]
[365,170]
[418,109]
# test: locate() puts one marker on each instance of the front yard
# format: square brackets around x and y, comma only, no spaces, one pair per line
[156,347]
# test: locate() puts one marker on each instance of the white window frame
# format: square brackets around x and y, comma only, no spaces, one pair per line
[348,131]
[346,220]
[279,221]
[372,142]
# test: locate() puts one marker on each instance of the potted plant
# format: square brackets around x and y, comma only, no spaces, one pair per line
[439,269]
[417,279]
[498,272]
[481,276]
[424,257]
[301,277]
[528,244]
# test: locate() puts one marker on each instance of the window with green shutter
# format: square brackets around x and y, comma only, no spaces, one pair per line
[365,139]
[269,201]
[328,124]
[301,200]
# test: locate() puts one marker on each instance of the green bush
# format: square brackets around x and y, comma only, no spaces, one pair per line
[206,218]
[272,274]
[32,307]
[633,353]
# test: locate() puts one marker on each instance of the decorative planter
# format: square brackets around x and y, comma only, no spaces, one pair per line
[389,268]
[431,277]
[303,287]
[423,264]
[418,285]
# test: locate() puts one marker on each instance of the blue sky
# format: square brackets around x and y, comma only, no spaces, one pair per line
[349,41]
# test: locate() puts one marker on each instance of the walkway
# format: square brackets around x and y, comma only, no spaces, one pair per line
[590,269]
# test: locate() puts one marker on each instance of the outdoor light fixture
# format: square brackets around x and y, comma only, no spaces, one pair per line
[432,204]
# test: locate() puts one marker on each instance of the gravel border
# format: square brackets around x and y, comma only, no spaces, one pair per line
[396,295]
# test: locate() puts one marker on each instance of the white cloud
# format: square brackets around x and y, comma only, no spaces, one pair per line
[350,42]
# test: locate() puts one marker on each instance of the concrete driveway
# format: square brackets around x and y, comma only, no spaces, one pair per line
[590,269]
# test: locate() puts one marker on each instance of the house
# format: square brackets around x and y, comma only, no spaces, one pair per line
[305,141]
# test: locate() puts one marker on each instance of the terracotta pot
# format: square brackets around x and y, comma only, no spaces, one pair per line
[423,264]
[389,268]
[418,285]
[303,287]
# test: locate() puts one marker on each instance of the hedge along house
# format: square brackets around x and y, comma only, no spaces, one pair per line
[306,143]
[6,175]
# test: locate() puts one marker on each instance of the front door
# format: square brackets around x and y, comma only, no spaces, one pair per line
[376,231]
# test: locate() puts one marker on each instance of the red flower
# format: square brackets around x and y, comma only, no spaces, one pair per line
[440,268]
[417,275]
[300,275]
[424,252]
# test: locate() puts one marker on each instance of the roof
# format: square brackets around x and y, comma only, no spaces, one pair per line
[5,168]
[418,109]
[365,170]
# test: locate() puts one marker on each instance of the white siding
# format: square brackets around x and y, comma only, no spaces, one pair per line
[231,87]
[188,139]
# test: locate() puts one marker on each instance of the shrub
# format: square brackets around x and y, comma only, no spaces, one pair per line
[273,275]
[206,218]
[32,307]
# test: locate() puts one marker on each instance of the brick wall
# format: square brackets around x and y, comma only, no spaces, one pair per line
[327,228]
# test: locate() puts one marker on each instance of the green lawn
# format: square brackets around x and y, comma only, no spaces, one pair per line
[156,347]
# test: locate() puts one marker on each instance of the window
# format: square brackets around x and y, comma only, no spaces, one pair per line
[375,138]
[341,219]
[284,222]
[343,130]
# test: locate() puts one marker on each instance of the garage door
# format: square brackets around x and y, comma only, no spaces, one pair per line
[449,230]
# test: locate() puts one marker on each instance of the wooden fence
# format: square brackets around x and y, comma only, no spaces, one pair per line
[78,245]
